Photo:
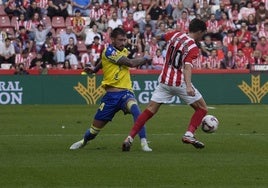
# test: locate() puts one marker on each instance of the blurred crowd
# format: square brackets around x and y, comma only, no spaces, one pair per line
[71,34]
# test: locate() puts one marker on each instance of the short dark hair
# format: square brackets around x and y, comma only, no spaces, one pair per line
[197,25]
[117,31]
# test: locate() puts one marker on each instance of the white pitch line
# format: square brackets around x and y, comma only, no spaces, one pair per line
[162,134]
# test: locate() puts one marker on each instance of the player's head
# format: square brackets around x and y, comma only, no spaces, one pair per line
[197,29]
[118,37]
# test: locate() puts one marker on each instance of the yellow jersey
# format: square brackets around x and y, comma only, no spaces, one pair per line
[115,75]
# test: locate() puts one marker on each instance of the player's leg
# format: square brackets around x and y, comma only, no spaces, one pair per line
[200,110]
[159,97]
[134,109]
[105,113]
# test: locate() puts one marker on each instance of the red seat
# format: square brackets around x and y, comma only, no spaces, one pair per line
[47,20]
[60,30]
[58,22]
[2,11]
[5,21]
[10,31]
[68,21]
[13,21]
[81,47]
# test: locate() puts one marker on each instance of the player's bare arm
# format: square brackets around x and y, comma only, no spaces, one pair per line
[188,79]
[132,62]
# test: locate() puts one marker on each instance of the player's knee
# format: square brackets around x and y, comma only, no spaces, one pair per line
[130,103]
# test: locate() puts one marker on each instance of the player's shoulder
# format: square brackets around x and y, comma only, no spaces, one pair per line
[110,50]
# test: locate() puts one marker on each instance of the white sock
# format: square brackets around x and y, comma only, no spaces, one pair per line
[130,139]
[188,133]
[143,140]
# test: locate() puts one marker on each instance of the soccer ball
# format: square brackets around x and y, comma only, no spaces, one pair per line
[209,124]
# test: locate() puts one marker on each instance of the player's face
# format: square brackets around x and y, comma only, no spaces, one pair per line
[119,42]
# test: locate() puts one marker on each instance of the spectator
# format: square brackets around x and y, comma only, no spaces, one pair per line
[158,60]
[261,13]
[37,62]
[170,23]
[63,7]
[14,8]
[243,34]
[213,62]
[33,23]
[129,23]
[248,50]
[139,14]
[183,22]
[96,50]
[253,27]
[169,6]
[102,23]
[207,46]
[123,10]
[52,10]
[67,65]
[134,41]
[90,34]
[106,36]
[65,36]
[188,4]
[7,52]
[72,53]
[87,58]
[78,24]
[21,21]
[149,21]
[176,14]
[59,51]
[262,46]
[147,36]
[234,45]
[155,12]
[228,62]
[32,9]
[225,24]
[82,5]
[240,60]
[205,11]
[20,69]
[153,47]
[40,34]
[160,31]
[115,22]
[222,9]
[192,15]
[256,58]
[96,12]
[213,28]
[264,31]
[233,13]
[48,54]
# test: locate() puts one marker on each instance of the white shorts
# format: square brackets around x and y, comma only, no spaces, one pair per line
[164,93]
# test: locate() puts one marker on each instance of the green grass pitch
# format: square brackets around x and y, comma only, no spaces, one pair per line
[35,141]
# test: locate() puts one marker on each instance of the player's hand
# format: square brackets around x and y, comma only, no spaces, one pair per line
[89,70]
[190,91]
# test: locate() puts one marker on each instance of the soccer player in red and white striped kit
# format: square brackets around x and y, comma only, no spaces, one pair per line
[175,80]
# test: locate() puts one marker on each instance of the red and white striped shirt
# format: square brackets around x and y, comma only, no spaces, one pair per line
[181,50]
[183,25]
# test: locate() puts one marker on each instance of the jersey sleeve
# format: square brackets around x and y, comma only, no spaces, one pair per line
[112,54]
[167,36]
[192,56]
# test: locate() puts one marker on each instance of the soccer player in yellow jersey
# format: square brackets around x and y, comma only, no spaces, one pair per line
[118,86]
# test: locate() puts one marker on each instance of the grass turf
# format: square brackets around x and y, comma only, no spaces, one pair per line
[35,141]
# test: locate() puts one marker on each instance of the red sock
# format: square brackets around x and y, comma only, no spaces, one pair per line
[196,119]
[143,117]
